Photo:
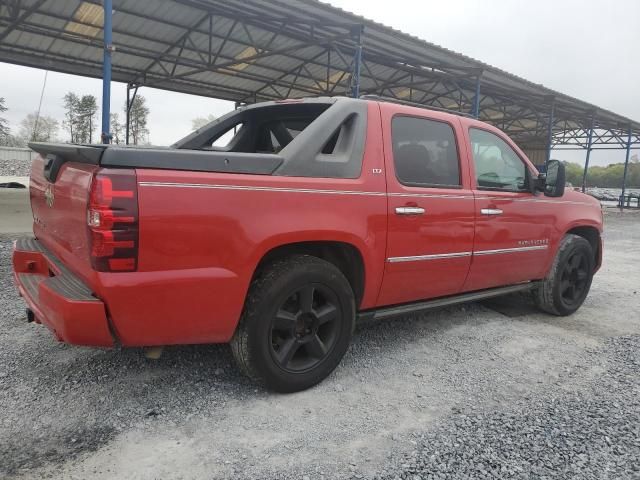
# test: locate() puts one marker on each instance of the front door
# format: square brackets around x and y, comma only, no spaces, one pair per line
[430,209]
[514,227]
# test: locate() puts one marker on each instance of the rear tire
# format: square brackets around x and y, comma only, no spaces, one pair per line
[566,286]
[296,325]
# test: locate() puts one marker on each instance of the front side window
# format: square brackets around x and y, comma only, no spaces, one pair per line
[425,152]
[497,165]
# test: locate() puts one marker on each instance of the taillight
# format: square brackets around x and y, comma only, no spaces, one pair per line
[112,218]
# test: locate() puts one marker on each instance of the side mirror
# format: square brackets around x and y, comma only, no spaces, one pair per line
[554,180]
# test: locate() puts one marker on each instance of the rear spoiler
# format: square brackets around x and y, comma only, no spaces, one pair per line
[56,154]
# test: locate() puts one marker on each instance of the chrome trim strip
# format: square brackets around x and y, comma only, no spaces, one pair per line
[535,200]
[258,188]
[428,257]
[298,190]
[429,195]
[416,258]
[510,250]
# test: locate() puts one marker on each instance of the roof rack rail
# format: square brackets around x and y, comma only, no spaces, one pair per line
[415,104]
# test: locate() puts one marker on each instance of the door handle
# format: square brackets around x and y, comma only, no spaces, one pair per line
[409,211]
[491,211]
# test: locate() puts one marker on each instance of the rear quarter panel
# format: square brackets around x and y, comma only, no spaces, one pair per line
[203,234]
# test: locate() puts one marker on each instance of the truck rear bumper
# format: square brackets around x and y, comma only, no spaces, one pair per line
[57,298]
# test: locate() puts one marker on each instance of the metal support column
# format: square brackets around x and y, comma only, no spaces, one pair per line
[626,168]
[550,132]
[357,61]
[476,99]
[586,163]
[128,109]
[106,72]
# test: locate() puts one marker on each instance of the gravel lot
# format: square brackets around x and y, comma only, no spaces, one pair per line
[493,390]
[16,166]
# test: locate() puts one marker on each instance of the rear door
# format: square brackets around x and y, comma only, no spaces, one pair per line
[430,206]
[513,225]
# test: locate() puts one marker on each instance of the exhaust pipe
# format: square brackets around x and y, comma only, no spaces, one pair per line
[153,353]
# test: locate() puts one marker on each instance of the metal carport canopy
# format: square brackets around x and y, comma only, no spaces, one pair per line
[248,51]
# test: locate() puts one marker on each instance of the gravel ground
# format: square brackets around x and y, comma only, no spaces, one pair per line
[492,390]
[15,167]
[593,432]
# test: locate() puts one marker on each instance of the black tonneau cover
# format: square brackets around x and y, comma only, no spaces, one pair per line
[57,154]
[193,160]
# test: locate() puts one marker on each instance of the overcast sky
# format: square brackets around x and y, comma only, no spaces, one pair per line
[581,48]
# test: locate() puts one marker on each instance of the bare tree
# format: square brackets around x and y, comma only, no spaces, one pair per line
[6,139]
[138,116]
[71,104]
[4,127]
[86,115]
[38,129]
[200,122]
[117,128]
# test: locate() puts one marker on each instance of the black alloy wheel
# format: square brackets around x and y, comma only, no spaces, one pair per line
[305,328]
[575,277]
[567,284]
[296,325]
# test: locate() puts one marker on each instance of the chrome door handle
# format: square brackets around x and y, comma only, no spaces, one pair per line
[409,211]
[491,211]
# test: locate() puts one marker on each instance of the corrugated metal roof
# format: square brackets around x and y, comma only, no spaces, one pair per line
[252,50]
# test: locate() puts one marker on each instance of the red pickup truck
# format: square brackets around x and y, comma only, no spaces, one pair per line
[279,225]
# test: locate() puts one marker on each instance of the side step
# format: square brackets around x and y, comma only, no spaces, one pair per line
[407,308]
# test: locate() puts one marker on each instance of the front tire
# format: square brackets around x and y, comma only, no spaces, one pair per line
[296,325]
[566,286]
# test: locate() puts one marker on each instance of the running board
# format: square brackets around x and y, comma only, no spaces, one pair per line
[407,308]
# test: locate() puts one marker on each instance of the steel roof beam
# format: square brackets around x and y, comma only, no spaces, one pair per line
[260,56]
[21,18]
[144,53]
[141,37]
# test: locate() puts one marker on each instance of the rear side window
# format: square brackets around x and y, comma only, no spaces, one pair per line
[425,152]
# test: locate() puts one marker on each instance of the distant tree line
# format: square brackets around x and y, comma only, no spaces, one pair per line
[80,123]
[604,177]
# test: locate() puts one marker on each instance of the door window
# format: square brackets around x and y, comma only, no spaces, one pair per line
[425,152]
[497,165]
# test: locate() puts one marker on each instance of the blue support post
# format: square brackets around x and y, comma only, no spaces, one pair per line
[106,72]
[626,168]
[550,132]
[586,163]
[357,62]
[476,99]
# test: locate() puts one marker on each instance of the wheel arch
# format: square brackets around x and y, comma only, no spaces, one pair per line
[345,256]
[592,235]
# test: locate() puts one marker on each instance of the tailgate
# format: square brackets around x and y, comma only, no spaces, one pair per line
[59,190]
